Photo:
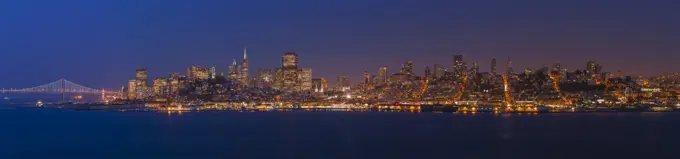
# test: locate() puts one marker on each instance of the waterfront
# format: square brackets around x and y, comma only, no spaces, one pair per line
[55,133]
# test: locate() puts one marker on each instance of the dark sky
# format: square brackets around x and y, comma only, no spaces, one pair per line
[99,43]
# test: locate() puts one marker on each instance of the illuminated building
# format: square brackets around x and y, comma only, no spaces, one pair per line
[343,83]
[527,71]
[510,72]
[557,67]
[439,71]
[290,60]
[590,68]
[161,87]
[493,67]
[233,72]
[278,79]
[132,89]
[382,75]
[141,87]
[428,72]
[407,68]
[367,78]
[475,68]
[316,85]
[289,77]
[213,72]
[199,73]
[305,78]
[458,66]
[264,77]
[324,84]
[244,68]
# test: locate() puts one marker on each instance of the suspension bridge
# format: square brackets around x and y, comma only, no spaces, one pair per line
[59,86]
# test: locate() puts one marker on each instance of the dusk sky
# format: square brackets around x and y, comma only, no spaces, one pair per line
[99,43]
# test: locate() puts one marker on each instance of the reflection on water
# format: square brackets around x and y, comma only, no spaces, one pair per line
[58,133]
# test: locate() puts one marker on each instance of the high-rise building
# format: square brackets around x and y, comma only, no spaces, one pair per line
[493,67]
[233,72]
[199,73]
[324,84]
[213,72]
[475,69]
[557,67]
[527,71]
[244,68]
[161,87]
[590,67]
[290,60]
[141,88]
[132,89]
[342,83]
[407,68]
[305,79]
[428,72]
[509,69]
[458,66]
[278,79]
[382,75]
[264,77]
[439,71]
[367,78]
[316,85]
[174,82]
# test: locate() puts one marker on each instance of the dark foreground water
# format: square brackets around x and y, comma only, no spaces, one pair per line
[39,133]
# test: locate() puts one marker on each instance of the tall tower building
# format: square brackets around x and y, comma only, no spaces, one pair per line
[141,86]
[439,71]
[233,72]
[290,77]
[316,85]
[324,84]
[213,72]
[132,89]
[382,75]
[510,71]
[475,68]
[590,68]
[290,60]
[343,83]
[305,79]
[244,68]
[407,68]
[458,66]
[197,72]
[493,66]
[557,67]
[428,72]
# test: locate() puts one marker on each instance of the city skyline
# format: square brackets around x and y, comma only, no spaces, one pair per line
[97,45]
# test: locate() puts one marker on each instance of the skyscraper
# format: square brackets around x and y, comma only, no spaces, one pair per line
[305,79]
[213,72]
[161,87]
[367,78]
[509,69]
[244,68]
[407,68]
[199,73]
[382,75]
[233,72]
[324,84]
[439,71]
[493,67]
[290,60]
[458,65]
[475,68]
[342,83]
[132,89]
[590,68]
[316,85]
[141,86]
[428,72]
